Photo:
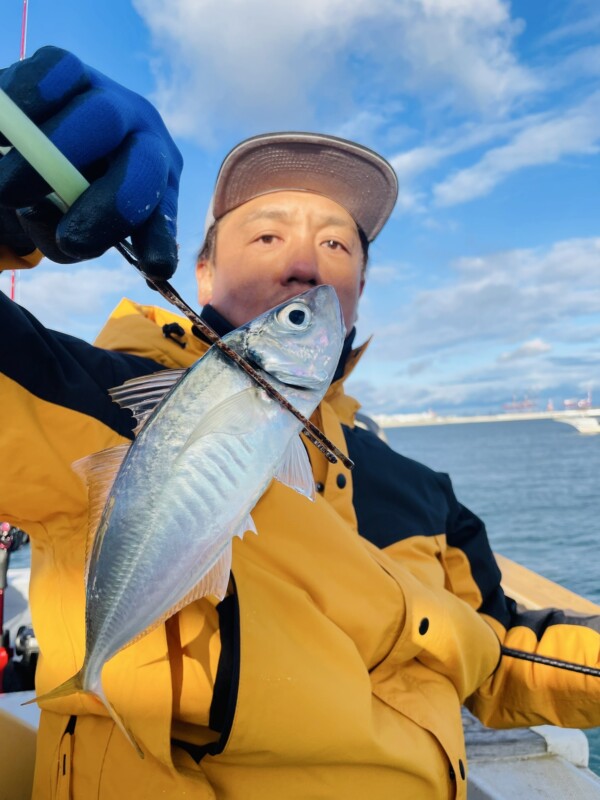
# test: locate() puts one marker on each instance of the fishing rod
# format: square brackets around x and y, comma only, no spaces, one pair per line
[550,662]
[68,184]
[22,49]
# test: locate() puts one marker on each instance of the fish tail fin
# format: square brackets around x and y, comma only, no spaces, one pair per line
[71,686]
[119,721]
[75,684]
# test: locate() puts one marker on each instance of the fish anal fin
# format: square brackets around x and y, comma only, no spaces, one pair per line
[295,471]
[214,582]
[98,471]
[247,525]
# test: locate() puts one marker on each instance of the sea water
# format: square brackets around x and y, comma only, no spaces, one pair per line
[536,485]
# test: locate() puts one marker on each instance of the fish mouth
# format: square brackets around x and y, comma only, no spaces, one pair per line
[253,358]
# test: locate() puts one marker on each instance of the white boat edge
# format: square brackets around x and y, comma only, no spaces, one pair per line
[586,425]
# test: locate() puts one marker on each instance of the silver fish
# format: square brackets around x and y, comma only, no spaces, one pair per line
[201,460]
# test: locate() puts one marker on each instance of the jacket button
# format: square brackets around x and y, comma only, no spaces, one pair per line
[319,486]
[461,769]
[341,480]
[424,626]
[452,773]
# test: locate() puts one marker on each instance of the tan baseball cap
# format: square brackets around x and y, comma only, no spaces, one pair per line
[357,178]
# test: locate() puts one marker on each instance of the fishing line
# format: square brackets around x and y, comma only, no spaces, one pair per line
[22,49]
[68,183]
[550,662]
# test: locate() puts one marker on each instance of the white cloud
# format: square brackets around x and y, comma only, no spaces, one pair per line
[411,165]
[483,387]
[369,124]
[530,349]
[76,295]
[459,139]
[281,64]
[519,322]
[573,29]
[417,367]
[497,300]
[573,132]
[575,67]
[383,274]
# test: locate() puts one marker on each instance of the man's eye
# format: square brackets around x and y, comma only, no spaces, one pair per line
[266,238]
[333,244]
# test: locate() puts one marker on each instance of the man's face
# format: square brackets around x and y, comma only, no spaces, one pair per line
[276,246]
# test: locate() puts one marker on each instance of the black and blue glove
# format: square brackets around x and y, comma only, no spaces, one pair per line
[117,140]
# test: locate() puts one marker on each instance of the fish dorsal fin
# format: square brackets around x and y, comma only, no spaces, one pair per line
[295,471]
[98,471]
[237,415]
[142,395]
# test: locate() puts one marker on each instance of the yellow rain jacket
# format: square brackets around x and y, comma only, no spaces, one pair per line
[357,626]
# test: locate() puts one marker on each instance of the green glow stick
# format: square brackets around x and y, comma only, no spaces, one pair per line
[40,152]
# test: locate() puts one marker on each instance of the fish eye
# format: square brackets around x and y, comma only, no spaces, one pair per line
[295,317]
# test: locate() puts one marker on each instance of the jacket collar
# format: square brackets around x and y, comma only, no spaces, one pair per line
[170,340]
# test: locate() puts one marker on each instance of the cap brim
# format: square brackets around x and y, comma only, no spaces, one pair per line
[357,178]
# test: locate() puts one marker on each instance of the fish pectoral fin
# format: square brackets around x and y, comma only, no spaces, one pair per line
[295,471]
[238,415]
[98,471]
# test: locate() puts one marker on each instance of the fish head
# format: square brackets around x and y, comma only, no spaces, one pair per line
[298,343]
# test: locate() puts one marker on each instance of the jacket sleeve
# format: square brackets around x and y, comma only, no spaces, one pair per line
[521,692]
[9,261]
[55,409]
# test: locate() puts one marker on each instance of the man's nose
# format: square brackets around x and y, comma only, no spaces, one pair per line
[302,266]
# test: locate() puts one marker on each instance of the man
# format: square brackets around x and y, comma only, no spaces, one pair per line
[356,625]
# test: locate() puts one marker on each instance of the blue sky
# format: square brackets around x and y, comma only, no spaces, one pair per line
[485,284]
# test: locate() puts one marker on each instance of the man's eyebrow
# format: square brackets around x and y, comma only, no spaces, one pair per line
[281,215]
[268,213]
[339,222]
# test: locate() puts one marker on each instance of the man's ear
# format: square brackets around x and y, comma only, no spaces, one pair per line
[204,280]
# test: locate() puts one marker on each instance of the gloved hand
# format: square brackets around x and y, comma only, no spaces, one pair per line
[12,235]
[117,140]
